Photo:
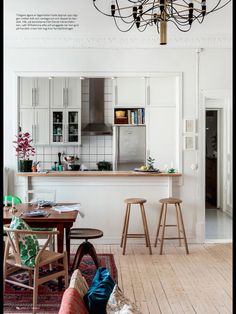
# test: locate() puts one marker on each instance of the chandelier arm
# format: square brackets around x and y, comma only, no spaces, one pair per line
[216,8]
[123,31]
[182,30]
[96,7]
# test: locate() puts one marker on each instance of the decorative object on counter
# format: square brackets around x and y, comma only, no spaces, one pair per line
[104,165]
[75,167]
[24,150]
[150,163]
[71,162]
[34,166]
[149,167]
[60,168]
[143,13]
[172,170]
[59,159]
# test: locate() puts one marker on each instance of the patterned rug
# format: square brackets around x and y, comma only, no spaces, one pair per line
[19,300]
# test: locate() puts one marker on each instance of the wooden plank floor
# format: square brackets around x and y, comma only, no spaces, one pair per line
[174,282]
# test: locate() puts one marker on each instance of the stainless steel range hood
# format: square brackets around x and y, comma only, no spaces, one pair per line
[96,125]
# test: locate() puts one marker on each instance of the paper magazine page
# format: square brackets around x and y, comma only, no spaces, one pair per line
[68,208]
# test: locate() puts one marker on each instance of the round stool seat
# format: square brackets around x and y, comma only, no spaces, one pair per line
[86,247]
[170,200]
[135,201]
[85,233]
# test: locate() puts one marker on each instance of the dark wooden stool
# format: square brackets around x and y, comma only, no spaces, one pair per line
[86,247]
[125,233]
[162,223]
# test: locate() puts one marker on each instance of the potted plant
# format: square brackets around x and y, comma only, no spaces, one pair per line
[24,150]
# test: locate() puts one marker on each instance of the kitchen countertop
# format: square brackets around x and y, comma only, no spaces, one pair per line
[97,174]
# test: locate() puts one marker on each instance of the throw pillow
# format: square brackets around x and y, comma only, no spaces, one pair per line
[99,292]
[119,303]
[78,282]
[28,244]
[72,303]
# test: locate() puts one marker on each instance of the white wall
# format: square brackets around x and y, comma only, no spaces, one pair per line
[86,52]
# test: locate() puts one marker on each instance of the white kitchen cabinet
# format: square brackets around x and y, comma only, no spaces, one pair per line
[65,92]
[129,92]
[164,120]
[162,91]
[34,92]
[66,127]
[161,136]
[36,122]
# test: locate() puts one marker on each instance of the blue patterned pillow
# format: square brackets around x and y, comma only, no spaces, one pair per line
[28,244]
[99,292]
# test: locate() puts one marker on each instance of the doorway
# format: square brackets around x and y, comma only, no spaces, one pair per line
[211,160]
[218,222]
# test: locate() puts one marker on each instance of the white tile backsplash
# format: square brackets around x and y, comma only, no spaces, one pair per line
[93,150]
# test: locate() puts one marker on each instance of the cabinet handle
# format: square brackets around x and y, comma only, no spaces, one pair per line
[116,95]
[36,133]
[148,95]
[32,97]
[67,96]
[65,133]
[35,97]
[63,96]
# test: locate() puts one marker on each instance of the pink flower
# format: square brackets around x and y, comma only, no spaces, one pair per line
[23,146]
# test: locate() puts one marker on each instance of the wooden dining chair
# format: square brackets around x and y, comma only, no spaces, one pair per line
[47,195]
[13,261]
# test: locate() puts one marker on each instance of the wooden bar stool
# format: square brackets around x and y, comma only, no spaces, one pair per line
[85,248]
[125,233]
[162,223]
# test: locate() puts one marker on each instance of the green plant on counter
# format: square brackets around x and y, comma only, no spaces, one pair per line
[150,163]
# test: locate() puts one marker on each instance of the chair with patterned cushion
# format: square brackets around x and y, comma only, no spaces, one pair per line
[8,200]
[37,195]
[22,252]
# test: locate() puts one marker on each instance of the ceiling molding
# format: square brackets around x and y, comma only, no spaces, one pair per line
[112,42]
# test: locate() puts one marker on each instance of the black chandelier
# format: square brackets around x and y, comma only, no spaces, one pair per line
[143,13]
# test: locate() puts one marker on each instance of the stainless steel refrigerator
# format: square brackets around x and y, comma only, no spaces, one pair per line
[129,147]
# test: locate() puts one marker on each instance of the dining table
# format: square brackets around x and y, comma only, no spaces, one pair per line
[61,221]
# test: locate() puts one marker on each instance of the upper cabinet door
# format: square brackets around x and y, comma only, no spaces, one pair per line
[73,93]
[58,92]
[130,92]
[27,92]
[42,92]
[41,127]
[66,92]
[161,91]
[34,92]
[26,122]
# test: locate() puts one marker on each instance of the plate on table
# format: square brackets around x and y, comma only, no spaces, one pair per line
[35,213]
[150,170]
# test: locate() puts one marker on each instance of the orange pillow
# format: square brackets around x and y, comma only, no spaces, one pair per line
[72,303]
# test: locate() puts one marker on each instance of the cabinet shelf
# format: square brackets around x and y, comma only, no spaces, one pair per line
[130,116]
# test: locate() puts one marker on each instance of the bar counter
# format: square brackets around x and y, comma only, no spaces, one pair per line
[97,174]
[102,195]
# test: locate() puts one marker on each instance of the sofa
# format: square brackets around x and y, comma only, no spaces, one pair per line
[75,296]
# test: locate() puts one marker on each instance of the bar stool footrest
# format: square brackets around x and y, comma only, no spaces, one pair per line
[133,235]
